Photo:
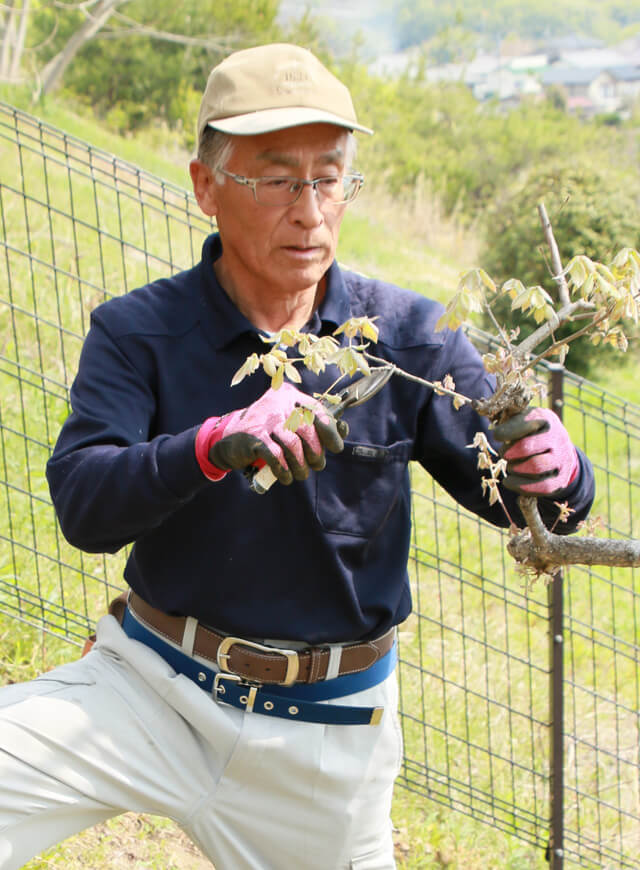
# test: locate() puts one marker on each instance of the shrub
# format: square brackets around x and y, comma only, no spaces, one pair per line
[594,209]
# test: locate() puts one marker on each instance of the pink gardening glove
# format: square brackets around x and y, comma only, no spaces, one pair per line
[256,435]
[540,455]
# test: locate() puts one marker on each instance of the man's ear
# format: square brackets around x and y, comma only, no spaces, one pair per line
[204,186]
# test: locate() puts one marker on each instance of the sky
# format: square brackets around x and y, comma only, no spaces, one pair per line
[346,19]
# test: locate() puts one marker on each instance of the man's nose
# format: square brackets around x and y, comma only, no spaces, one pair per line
[306,209]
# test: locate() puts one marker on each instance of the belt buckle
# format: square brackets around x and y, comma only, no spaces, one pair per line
[290,655]
[248,700]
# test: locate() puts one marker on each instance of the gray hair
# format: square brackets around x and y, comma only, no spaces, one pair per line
[215,149]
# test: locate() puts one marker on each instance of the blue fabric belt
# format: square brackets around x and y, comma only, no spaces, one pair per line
[296,702]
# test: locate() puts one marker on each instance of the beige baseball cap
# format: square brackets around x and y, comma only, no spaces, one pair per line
[272,87]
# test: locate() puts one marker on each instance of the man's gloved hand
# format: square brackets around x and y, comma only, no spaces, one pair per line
[244,437]
[540,455]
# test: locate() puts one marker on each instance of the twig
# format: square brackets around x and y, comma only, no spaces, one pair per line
[501,331]
[437,387]
[556,262]
[593,321]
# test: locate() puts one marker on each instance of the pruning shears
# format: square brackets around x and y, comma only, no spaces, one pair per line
[261,479]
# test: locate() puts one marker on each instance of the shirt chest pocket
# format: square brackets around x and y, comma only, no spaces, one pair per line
[360,486]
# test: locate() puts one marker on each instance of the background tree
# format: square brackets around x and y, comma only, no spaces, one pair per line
[145,60]
[593,212]
[418,21]
[14,17]
[96,14]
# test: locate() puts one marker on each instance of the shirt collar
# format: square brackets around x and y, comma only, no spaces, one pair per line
[225,323]
[334,308]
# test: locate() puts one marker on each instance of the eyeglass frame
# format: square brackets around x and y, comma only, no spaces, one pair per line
[303,182]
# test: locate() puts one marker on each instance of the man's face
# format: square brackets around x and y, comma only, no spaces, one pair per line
[278,250]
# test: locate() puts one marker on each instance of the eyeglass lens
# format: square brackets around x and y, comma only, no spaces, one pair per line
[283,191]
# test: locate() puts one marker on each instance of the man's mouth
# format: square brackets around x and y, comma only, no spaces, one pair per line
[302,250]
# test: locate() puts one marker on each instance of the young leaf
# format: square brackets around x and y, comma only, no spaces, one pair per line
[286,337]
[359,326]
[292,373]
[369,330]
[579,269]
[481,442]
[448,383]
[277,379]
[492,486]
[460,401]
[349,361]
[452,318]
[565,511]
[270,363]
[315,362]
[294,419]
[304,345]
[248,367]
[513,288]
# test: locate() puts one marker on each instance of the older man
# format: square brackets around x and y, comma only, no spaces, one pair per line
[247,688]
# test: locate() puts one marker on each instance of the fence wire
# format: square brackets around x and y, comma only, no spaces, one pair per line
[79,225]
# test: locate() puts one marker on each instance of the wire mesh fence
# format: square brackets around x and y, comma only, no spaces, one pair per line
[476,673]
[477,666]
[78,226]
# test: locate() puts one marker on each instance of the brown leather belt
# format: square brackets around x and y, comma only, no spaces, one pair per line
[256,662]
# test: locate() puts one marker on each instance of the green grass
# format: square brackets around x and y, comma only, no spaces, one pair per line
[476,701]
[157,151]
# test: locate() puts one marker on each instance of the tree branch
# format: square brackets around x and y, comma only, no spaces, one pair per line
[82,5]
[135,28]
[593,321]
[544,551]
[535,546]
[95,20]
[556,262]
[547,329]
[221,44]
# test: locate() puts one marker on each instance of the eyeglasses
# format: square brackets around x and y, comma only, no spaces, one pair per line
[282,190]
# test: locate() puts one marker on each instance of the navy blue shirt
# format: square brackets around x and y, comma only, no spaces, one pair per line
[321,560]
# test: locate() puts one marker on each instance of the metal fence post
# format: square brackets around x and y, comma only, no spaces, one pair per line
[556,688]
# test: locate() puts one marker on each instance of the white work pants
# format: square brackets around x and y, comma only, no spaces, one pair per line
[119,731]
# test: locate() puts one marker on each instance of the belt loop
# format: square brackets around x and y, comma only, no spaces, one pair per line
[189,635]
[317,659]
[333,668]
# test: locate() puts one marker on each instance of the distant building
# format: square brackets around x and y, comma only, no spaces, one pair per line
[593,58]
[572,42]
[626,83]
[507,86]
[528,62]
[592,79]
[596,90]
